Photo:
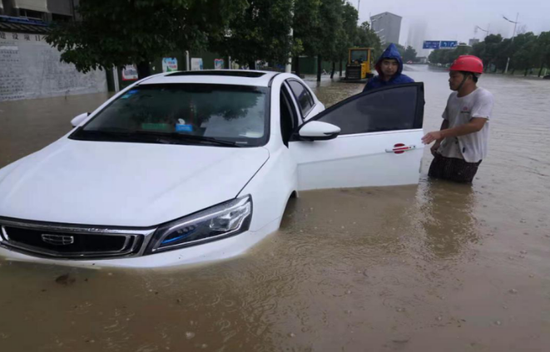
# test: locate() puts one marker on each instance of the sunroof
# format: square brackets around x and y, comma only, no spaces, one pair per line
[249,74]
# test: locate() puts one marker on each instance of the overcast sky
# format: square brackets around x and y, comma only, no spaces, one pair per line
[455,20]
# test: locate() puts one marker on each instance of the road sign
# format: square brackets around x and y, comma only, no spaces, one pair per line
[431,44]
[448,45]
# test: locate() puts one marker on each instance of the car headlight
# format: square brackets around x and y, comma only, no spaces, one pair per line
[221,221]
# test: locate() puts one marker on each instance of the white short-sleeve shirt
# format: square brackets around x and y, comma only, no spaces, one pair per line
[459,111]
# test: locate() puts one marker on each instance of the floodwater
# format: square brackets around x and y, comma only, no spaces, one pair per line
[432,267]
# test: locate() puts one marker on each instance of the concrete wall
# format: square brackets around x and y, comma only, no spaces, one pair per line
[30,68]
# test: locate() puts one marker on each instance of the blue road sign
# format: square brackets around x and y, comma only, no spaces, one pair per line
[448,44]
[431,44]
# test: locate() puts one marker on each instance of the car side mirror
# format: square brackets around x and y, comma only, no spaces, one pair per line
[318,131]
[78,119]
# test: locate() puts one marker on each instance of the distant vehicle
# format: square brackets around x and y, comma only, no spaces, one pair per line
[187,167]
[359,64]
[409,62]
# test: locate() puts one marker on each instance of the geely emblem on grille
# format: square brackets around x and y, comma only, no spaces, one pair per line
[58,240]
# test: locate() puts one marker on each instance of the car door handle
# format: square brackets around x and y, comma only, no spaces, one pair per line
[400,148]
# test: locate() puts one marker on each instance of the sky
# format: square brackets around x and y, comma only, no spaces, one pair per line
[456,20]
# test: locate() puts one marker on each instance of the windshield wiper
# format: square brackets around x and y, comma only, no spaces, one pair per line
[151,137]
[178,137]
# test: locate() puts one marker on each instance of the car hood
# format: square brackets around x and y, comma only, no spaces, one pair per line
[123,184]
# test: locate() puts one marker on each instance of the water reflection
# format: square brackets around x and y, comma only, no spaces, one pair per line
[447,217]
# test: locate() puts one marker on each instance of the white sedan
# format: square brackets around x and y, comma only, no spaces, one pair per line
[190,167]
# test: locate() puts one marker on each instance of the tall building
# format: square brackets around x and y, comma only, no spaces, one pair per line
[387,26]
[416,37]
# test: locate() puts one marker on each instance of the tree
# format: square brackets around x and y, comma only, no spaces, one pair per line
[317,27]
[542,51]
[347,35]
[329,31]
[409,54]
[120,32]
[491,50]
[400,48]
[306,22]
[524,58]
[367,38]
[517,51]
[261,32]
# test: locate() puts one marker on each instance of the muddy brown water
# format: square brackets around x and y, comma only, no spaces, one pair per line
[430,267]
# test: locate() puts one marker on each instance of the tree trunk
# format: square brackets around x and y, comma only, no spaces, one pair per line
[251,64]
[297,65]
[333,69]
[340,68]
[540,71]
[525,74]
[144,70]
[319,67]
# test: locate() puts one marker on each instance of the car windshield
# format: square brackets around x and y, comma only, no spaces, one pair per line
[212,114]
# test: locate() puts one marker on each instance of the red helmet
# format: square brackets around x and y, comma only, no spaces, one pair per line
[468,63]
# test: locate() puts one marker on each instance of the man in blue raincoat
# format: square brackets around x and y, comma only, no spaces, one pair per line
[389,67]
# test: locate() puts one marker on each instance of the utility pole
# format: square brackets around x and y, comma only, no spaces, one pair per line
[513,35]
[288,66]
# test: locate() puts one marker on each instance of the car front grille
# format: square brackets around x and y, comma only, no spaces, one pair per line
[71,242]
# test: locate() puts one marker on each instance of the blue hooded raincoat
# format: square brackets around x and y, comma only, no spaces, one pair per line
[391,52]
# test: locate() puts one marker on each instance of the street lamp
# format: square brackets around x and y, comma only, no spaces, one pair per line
[513,35]
[481,29]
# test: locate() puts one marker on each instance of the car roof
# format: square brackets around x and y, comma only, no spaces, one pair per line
[230,77]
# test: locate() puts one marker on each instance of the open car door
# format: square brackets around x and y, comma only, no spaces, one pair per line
[379,143]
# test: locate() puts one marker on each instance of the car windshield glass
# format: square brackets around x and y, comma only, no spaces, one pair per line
[213,114]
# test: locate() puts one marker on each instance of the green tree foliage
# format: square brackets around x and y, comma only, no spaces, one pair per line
[306,23]
[119,32]
[347,33]
[400,48]
[542,51]
[261,32]
[446,56]
[367,38]
[526,51]
[409,54]
[330,32]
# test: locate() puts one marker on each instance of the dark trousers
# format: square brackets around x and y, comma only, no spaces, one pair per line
[453,169]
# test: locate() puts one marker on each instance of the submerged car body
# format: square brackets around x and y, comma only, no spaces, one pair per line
[189,167]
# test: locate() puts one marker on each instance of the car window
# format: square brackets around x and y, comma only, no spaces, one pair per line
[229,113]
[390,109]
[302,95]
[288,118]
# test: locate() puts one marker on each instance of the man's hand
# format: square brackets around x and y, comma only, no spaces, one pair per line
[432,136]
[435,147]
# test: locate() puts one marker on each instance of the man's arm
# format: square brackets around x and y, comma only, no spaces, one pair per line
[475,125]
[437,144]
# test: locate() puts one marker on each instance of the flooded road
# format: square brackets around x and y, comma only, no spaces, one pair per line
[433,267]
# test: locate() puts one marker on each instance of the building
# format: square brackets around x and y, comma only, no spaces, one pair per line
[387,26]
[473,42]
[416,36]
[43,10]
[29,67]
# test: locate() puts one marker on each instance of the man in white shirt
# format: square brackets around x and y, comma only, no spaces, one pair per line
[461,143]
